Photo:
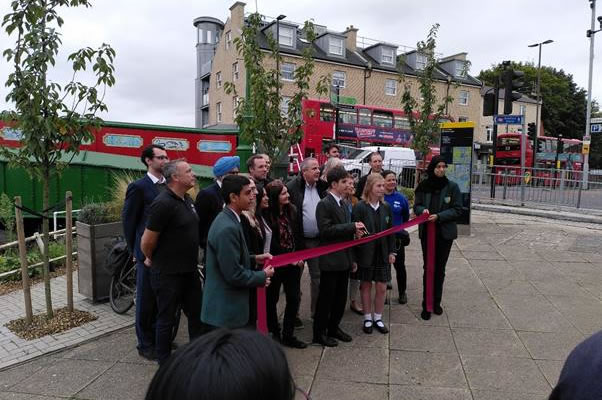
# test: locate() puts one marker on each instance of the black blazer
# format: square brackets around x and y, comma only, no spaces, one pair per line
[364,255]
[138,198]
[450,210]
[209,202]
[296,188]
[334,224]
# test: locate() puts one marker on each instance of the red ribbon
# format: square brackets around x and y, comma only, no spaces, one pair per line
[290,258]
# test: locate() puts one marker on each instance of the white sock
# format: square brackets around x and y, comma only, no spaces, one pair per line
[378,317]
[368,317]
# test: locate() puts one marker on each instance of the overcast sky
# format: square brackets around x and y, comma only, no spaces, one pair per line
[155,40]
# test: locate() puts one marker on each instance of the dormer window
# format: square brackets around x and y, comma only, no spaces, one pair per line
[460,71]
[286,36]
[336,46]
[420,62]
[387,56]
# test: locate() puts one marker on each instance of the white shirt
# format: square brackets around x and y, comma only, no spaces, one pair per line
[267,241]
[235,213]
[155,179]
[375,206]
[310,202]
[337,198]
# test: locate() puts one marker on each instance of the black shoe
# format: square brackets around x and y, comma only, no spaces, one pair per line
[342,336]
[425,315]
[403,298]
[356,310]
[368,326]
[382,328]
[298,323]
[276,336]
[148,354]
[325,341]
[438,310]
[293,342]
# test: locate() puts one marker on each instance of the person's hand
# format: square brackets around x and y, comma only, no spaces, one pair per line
[432,218]
[269,271]
[300,263]
[354,267]
[426,211]
[261,258]
[267,281]
[392,258]
[360,229]
[147,262]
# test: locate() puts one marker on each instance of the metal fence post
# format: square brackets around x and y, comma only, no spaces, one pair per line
[69,248]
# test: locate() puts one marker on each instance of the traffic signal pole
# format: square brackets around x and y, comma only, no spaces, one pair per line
[587,136]
[523,153]
[496,106]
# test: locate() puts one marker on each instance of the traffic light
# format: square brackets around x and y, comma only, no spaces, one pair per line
[531,133]
[541,146]
[512,81]
[488,104]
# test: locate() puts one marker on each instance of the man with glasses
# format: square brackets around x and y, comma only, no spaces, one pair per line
[209,201]
[138,198]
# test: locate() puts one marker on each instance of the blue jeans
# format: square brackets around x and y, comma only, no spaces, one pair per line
[146,309]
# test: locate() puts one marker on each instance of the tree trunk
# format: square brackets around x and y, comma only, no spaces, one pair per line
[69,250]
[23,260]
[45,237]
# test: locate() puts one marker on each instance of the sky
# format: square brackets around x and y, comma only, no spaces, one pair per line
[155,40]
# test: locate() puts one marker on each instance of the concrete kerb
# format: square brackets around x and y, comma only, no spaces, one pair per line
[551,214]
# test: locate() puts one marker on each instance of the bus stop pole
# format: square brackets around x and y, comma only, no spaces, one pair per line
[523,152]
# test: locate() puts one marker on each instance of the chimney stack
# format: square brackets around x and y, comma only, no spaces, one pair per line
[351,38]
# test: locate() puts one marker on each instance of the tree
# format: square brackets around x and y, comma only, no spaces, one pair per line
[53,119]
[563,102]
[260,116]
[425,115]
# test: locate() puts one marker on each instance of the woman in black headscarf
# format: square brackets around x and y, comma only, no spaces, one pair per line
[441,199]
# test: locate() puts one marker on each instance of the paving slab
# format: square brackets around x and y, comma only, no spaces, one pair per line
[490,395]
[118,383]
[489,342]
[326,389]
[364,364]
[432,339]
[551,346]
[532,313]
[551,370]
[426,369]
[407,392]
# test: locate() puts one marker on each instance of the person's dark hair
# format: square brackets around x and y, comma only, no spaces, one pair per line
[330,147]
[274,189]
[258,211]
[233,184]
[336,174]
[387,172]
[375,153]
[148,152]
[251,160]
[225,365]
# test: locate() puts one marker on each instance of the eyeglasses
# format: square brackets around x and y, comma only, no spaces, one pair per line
[161,157]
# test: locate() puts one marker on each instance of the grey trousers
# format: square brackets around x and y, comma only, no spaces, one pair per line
[314,273]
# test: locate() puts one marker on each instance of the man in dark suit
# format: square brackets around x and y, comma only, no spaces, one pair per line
[229,272]
[334,225]
[209,201]
[138,198]
[376,167]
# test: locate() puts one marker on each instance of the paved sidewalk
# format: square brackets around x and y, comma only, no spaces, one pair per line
[14,350]
[520,293]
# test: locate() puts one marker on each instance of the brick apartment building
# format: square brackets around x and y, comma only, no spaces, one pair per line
[365,72]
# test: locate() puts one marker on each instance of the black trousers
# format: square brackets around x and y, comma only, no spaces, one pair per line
[442,249]
[173,290]
[288,277]
[400,267]
[331,301]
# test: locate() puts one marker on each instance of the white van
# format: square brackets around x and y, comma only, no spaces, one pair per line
[394,158]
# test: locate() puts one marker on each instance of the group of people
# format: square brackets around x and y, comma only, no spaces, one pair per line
[241,222]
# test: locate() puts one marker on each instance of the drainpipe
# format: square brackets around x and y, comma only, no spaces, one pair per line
[367,74]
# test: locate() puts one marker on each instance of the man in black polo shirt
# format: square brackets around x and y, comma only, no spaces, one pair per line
[170,243]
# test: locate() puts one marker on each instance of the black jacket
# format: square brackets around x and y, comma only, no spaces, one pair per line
[275,247]
[450,210]
[208,204]
[364,254]
[296,189]
[334,224]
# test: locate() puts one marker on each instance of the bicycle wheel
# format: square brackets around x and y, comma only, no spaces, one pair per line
[123,289]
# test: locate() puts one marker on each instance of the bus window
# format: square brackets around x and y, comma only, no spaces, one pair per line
[508,143]
[383,119]
[365,117]
[326,113]
[402,123]
[347,116]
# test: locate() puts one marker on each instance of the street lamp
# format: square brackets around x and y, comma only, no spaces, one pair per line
[538,96]
[278,19]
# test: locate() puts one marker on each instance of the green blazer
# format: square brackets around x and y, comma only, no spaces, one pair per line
[450,209]
[228,274]
[364,255]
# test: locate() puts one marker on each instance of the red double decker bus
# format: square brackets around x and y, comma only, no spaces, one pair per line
[358,126]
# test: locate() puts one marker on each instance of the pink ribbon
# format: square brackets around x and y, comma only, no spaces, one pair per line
[290,258]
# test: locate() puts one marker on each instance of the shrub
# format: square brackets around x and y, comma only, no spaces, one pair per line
[97,213]
[409,194]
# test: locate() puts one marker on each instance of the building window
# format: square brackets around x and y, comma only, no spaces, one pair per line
[365,117]
[338,79]
[199,36]
[335,46]
[523,109]
[284,105]
[218,111]
[463,98]
[387,56]
[420,62]
[218,79]
[209,37]
[326,113]
[460,70]
[462,119]
[402,123]
[489,132]
[391,87]
[287,72]
[383,119]
[235,71]
[228,40]
[285,37]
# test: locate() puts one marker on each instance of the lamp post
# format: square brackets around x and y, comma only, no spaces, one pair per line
[538,97]
[278,19]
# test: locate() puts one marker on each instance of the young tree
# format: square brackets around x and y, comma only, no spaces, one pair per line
[260,117]
[53,119]
[425,115]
